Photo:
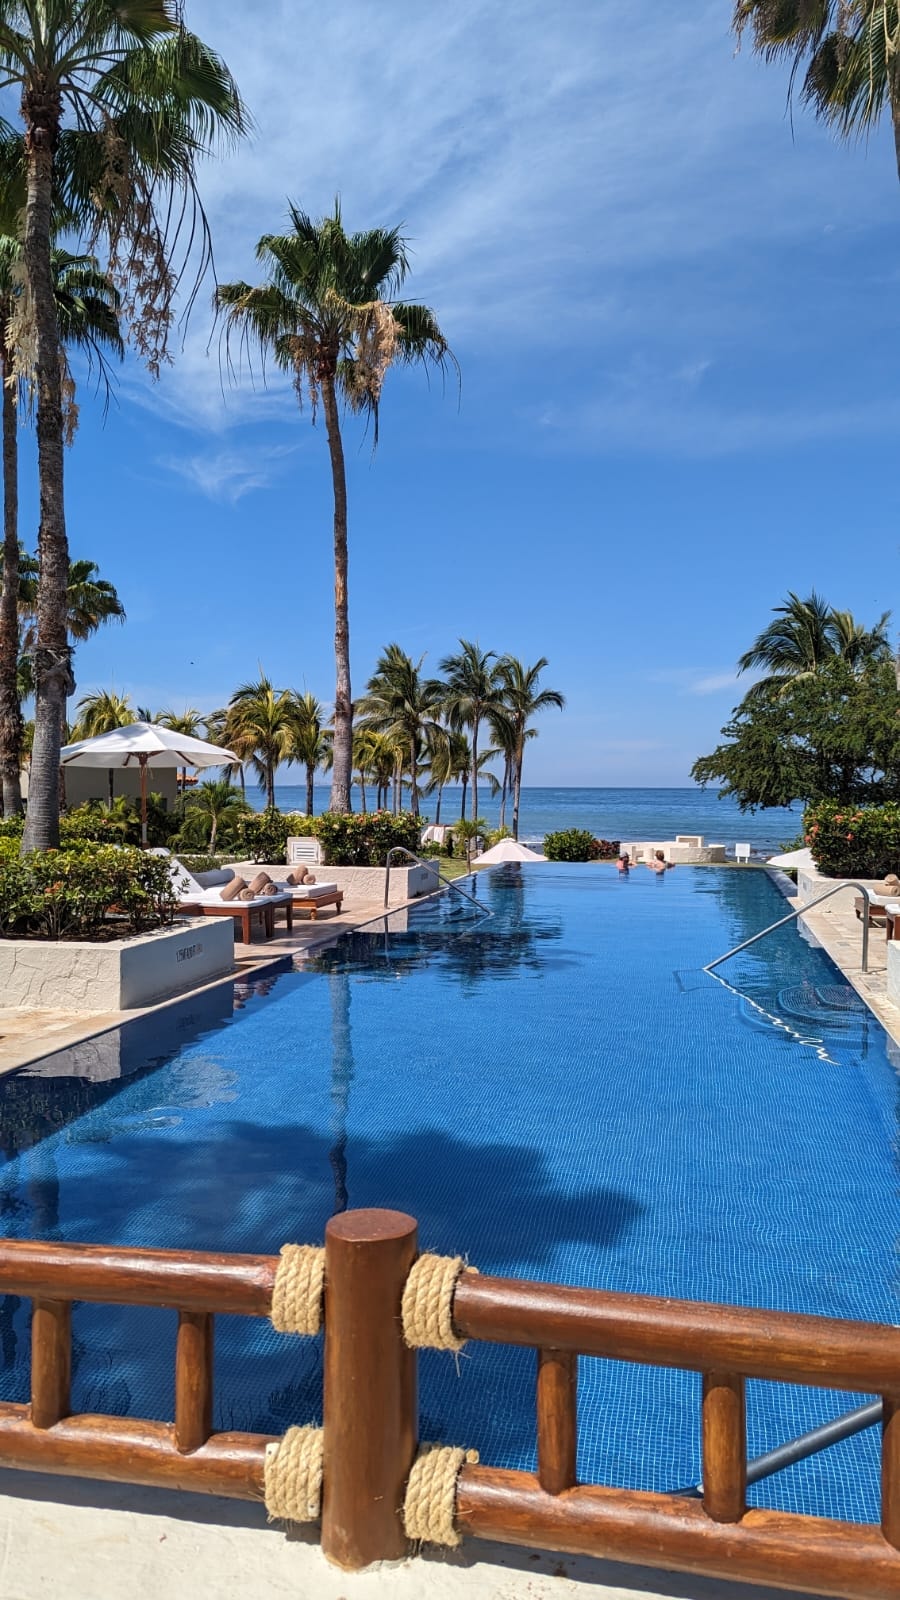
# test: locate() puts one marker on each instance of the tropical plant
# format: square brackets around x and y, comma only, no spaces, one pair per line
[87,310]
[522,700]
[375,757]
[189,722]
[119,102]
[312,742]
[101,712]
[449,761]
[329,313]
[853,841]
[572,844]
[473,692]
[71,893]
[804,636]
[262,725]
[849,49]
[212,809]
[404,706]
[833,734]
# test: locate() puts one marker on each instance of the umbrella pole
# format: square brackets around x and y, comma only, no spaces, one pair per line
[143,761]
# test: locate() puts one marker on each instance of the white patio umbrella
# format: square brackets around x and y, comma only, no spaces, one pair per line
[792,858]
[143,745]
[507,850]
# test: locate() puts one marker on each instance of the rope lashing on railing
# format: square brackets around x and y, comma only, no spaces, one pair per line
[298,1290]
[429,1508]
[293,1476]
[428,1303]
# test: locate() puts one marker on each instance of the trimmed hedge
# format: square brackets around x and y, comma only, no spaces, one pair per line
[82,894]
[354,839]
[853,841]
[571,844]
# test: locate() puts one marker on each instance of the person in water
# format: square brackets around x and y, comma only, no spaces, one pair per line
[659,862]
[623,863]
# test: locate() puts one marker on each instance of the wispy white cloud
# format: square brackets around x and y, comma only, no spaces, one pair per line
[700,680]
[229,474]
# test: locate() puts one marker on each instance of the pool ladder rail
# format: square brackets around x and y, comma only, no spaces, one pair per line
[801,911]
[422,861]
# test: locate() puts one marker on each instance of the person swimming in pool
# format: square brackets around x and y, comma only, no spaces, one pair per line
[659,863]
[624,863]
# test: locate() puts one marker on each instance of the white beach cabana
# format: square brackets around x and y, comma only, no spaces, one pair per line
[798,859]
[145,745]
[506,850]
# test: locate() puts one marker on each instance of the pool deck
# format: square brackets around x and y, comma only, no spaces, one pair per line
[26,1035]
[66,1539]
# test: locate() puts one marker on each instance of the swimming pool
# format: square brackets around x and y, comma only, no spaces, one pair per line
[558,1091]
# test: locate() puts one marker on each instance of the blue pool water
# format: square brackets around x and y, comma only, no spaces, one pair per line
[557,1091]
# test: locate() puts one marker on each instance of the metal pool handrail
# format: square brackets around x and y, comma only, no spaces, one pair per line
[400,850]
[801,912]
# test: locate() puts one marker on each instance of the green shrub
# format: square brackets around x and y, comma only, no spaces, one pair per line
[12,827]
[853,841]
[262,835]
[571,844]
[120,823]
[84,893]
[363,840]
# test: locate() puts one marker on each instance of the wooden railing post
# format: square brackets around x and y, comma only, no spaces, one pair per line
[51,1361]
[370,1391]
[557,1419]
[724,1446]
[890,1471]
[193,1380]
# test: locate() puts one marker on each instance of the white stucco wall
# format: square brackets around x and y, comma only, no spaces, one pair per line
[361,885]
[77,976]
[92,783]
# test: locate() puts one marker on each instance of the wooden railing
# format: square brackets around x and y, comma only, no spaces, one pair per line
[370,1413]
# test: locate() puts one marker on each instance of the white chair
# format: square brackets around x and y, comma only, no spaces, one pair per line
[742,853]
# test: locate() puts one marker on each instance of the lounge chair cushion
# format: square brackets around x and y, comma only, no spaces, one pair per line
[313,891]
[231,890]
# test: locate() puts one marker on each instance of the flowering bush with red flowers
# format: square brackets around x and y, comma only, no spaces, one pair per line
[853,841]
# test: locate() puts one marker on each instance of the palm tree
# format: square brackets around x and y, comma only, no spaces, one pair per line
[473,690]
[806,634]
[87,308]
[219,731]
[849,49]
[329,313]
[522,700]
[402,704]
[262,727]
[375,755]
[312,742]
[213,806]
[101,712]
[119,102]
[449,759]
[188,722]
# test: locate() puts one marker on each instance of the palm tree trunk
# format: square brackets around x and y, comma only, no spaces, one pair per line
[214,828]
[270,785]
[503,792]
[398,778]
[362,792]
[341,770]
[52,656]
[437,811]
[465,785]
[10,708]
[413,779]
[475,767]
[310,776]
[111,779]
[517,788]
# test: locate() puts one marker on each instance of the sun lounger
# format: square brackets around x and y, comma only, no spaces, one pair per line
[317,895]
[206,901]
[877,909]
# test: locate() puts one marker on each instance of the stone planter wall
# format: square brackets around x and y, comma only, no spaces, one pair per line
[78,976]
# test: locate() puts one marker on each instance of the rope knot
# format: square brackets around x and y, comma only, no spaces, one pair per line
[293,1476]
[298,1289]
[427,1307]
[429,1509]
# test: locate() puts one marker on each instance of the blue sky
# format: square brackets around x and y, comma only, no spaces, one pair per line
[676,317]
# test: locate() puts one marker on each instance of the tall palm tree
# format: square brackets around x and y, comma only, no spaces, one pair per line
[87,308]
[312,741]
[219,731]
[375,755]
[262,726]
[449,760]
[522,700]
[804,635]
[101,712]
[850,50]
[404,705]
[473,690]
[119,102]
[329,313]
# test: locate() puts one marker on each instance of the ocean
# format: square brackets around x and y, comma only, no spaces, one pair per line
[607,813]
